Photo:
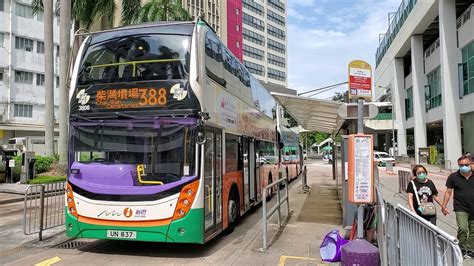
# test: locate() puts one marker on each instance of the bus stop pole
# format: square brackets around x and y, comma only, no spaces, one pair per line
[360,130]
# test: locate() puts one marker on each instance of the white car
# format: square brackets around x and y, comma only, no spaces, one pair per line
[382,158]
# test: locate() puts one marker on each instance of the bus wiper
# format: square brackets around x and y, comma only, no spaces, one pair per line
[81,117]
[119,114]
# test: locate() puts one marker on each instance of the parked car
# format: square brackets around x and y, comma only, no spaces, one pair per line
[382,158]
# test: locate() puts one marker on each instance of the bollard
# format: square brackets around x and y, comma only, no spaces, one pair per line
[360,252]
[41,213]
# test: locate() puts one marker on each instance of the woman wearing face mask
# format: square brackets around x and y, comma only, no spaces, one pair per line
[426,193]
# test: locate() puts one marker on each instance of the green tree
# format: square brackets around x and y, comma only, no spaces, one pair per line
[162,10]
[340,97]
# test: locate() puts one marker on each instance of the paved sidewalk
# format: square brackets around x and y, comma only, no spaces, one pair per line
[312,216]
[10,193]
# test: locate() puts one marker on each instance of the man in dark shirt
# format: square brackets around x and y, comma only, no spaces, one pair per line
[462,183]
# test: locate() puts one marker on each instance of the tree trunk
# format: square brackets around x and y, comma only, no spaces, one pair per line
[49,77]
[65,43]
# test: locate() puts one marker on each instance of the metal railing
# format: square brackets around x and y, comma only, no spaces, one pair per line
[404,238]
[44,208]
[277,208]
[404,177]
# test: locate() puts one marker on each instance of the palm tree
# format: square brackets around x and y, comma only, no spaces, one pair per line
[162,10]
[64,41]
[49,77]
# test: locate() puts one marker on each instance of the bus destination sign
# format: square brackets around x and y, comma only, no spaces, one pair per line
[147,95]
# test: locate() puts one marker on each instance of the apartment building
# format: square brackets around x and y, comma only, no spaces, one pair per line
[265,40]
[425,67]
[22,91]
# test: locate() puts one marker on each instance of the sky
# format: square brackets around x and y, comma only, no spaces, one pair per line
[325,35]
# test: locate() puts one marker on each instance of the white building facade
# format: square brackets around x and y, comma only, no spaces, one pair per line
[265,40]
[22,91]
[425,61]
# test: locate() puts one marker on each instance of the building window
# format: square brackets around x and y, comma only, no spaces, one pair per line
[433,89]
[253,22]
[39,79]
[57,50]
[274,31]
[39,15]
[253,37]
[277,5]
[254,7]
[409,103]
[57,82]
[23,44]
[276,74]
[276,60]
[273,16]
[1,74]
[237,11]
[40,47]
[1,38]
[237,44]
[255,68]
[276,46]
[468,68]
[253,52]
[23,110]
[23,10]
[23,77]
[237,27]
[2,5]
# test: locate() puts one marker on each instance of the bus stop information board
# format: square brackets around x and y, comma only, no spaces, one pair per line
[361,169]
[360,80]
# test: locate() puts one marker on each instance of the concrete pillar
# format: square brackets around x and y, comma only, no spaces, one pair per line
[449,57]
[398,102]
[418,76]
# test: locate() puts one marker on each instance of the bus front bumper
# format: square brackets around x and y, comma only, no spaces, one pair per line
[189,229]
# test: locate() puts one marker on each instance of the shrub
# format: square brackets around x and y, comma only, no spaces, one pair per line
[43,164]
[43,179]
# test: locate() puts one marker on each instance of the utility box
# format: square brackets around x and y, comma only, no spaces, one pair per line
[27,166]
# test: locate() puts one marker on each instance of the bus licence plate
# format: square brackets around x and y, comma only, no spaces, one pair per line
[121,234]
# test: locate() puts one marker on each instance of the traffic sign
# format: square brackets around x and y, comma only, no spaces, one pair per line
[360,80]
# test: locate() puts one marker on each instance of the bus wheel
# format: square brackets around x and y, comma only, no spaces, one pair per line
[233,211]
[270,190]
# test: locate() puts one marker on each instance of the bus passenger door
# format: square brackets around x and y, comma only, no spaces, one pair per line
[213,181]
[245,157]
[252,163]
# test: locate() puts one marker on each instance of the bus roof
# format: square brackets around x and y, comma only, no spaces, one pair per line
[173,27]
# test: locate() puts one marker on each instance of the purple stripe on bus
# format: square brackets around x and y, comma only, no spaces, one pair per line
[156,121]
[116,179]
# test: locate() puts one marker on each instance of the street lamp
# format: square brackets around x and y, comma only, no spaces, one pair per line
[392,100]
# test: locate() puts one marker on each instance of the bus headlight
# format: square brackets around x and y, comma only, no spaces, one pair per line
[186,199]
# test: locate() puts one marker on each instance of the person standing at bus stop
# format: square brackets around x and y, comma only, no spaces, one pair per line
[462,183]
[425,191]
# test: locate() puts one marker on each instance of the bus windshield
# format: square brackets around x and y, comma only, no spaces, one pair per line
[165,150]
[136,58]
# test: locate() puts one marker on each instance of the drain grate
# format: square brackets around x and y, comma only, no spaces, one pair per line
[72,244]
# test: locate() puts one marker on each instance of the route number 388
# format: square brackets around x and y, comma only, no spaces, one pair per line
[153,97]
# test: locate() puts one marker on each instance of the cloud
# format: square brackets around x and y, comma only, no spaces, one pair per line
[318,55]
[294,14]
[301,2]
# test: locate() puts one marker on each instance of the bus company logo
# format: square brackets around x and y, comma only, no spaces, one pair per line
[127,212]
[179,93]
[83,98]
[140,213]
[113,213]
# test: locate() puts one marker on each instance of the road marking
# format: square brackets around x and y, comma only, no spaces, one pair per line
[283,258]
[49,261]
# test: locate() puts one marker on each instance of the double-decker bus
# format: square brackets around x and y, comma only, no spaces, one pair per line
[171,138]
[290,152]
